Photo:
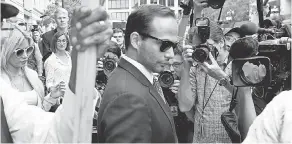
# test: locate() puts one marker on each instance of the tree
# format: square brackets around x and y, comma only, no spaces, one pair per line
[69,5]
[240,8]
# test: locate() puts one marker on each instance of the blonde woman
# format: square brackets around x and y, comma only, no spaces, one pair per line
[15,51]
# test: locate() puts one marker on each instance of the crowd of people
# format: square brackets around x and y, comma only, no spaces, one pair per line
[38,81]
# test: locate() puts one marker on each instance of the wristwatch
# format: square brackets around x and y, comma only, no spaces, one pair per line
[224,81]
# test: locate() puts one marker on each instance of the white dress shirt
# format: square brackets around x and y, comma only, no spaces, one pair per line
[274,124]
[149,75]
[31,124]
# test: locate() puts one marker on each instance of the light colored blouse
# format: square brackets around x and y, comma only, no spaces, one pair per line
[30,124]
[36,96]
[56,70]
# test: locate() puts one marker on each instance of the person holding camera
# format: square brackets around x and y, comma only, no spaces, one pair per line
[210,89]
[183,126]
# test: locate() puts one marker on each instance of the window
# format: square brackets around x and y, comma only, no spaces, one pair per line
[118,4]
[135,3]
[143,2]
[162,2]
[119,15]
[153,1]
[170,2]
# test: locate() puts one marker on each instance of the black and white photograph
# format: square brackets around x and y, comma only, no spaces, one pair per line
[146,71]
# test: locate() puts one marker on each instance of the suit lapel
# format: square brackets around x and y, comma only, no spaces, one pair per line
[142,79]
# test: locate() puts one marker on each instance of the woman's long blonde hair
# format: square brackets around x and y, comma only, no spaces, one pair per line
[11,40]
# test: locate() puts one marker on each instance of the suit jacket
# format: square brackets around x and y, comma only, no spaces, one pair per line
[46,43]
[132,110]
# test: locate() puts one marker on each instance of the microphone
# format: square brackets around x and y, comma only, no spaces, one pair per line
[251,28]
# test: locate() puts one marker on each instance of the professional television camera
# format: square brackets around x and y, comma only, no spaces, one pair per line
[274,43]
[279,51]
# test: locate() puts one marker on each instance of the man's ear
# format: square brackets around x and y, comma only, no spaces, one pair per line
[135,40]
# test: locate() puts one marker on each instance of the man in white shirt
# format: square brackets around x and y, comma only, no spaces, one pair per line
[274,124]
[30,124]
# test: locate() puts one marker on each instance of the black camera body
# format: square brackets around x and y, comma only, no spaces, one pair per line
[109,64]
[201,52]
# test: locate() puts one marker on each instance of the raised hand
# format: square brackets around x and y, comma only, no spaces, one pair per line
[213,69]
[175,86]
[58,90]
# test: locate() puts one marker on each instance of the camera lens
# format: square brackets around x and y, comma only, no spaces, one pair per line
[201,53]
[166,79]
[109,64]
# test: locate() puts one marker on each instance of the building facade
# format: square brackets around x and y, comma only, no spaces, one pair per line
[30,10]
[119,10]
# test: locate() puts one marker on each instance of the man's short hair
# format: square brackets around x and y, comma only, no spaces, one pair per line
[114,48]
[60,10]
[244,48]
[141,18]
[117,30]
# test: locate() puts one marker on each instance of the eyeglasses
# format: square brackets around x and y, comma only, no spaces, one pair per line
[165,44]
[19,52]
[62,41]
[177,64]
[230,38]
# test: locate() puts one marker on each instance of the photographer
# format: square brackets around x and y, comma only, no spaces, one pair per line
[208,98]
[184,127]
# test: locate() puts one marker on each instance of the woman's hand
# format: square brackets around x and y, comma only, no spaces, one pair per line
[58,90]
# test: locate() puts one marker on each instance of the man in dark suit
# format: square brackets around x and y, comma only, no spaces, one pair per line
[133,108]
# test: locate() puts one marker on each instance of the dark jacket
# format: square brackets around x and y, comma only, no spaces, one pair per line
[132,110]
[46,43]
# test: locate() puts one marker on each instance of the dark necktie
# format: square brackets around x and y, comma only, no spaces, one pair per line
[158,88]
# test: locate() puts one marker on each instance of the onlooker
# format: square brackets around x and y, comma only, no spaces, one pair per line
[61,18]
[118,36]
[58,65]
[15,53]
[35,59]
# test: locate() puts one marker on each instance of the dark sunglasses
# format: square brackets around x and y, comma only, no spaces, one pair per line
[22,24]
[19,52]
[165,44]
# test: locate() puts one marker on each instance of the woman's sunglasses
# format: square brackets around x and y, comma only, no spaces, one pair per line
[19,52]
[165,44]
